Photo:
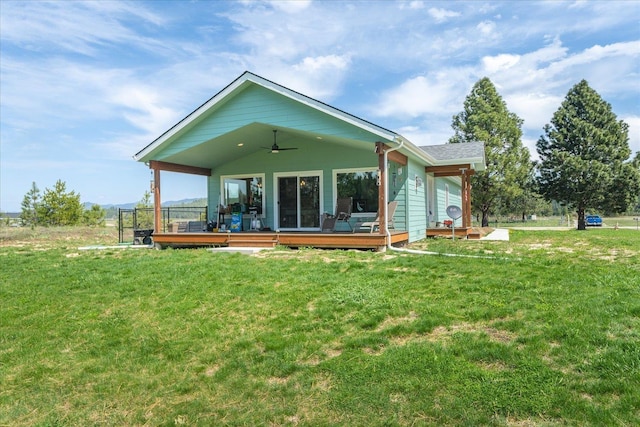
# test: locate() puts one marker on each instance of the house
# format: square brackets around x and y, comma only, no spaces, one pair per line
[274,154]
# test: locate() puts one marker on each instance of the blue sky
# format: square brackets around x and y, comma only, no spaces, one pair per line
[85,85]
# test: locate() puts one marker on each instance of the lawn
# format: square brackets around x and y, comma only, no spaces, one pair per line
[541,330]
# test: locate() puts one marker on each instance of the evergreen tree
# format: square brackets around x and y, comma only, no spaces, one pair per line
[636,163]
[145,212]
[583,155]
[529,201]
[59,207]
[94,217]
[486,118]
[30,205]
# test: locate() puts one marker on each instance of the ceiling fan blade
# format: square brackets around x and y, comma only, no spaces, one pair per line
[274,148]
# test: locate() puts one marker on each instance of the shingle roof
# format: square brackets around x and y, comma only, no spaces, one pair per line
[466,150]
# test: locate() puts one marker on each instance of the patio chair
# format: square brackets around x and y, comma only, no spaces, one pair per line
[372,225]
[343,214]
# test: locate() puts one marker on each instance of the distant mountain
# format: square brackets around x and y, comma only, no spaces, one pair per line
[184,202]
[88,205]
[199,202]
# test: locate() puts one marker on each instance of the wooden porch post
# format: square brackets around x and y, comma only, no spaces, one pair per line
[466,200]
[158,166]
[382,178]
[157,207]
[469,222]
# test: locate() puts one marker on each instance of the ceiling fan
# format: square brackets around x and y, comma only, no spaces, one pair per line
[274,148]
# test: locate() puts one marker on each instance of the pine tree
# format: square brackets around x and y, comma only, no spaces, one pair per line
[144,212]
[94,217]
[59,207]
[636,164]
[486,118]
[583,156]
[30,205]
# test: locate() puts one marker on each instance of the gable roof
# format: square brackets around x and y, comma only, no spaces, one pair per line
[353,128]
[248,78]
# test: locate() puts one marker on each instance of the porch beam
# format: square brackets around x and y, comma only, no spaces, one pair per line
[393,156]
[453,170]
[157,165]
[458,173]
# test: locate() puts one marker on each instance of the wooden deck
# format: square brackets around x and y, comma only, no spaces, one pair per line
[335,240]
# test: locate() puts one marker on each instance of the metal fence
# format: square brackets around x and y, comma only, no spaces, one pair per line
[137,225]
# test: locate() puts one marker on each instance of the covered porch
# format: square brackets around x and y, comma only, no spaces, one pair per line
[268,236]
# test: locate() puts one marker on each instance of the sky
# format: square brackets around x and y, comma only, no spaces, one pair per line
[86,85]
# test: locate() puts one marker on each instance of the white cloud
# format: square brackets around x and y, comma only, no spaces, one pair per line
[56,90]
[323,63]
[80,27]
[427,134]
[634,132]
[319,77]
[535,84]
[578,4]
[442,15]
[290,6]
[487,28]
[500,62]
[416,97]
[535,108]
[143,108]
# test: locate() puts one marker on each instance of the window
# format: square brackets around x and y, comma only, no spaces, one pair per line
[242,192]
[362,185]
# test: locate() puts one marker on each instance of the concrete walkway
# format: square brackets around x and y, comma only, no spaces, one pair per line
[497,234]
[241,250]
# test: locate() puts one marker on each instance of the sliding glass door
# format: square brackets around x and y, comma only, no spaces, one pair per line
[298,204]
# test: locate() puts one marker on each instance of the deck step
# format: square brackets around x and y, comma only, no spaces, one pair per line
[474,236]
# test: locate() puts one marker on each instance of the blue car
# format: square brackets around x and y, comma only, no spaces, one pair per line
[593,221]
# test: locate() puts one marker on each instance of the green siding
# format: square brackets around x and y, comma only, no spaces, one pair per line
[398,192]
[417,196]
[455,197]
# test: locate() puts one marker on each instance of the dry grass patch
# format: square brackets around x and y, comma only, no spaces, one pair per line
[390,322]
[442,334]
[493,366]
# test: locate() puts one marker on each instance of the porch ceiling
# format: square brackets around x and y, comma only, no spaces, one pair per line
[255,137]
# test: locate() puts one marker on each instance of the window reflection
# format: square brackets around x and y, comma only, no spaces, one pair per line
[243,194]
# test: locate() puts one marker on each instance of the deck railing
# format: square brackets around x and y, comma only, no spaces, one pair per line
[136,225]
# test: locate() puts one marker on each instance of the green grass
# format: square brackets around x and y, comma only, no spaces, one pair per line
[548,333]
